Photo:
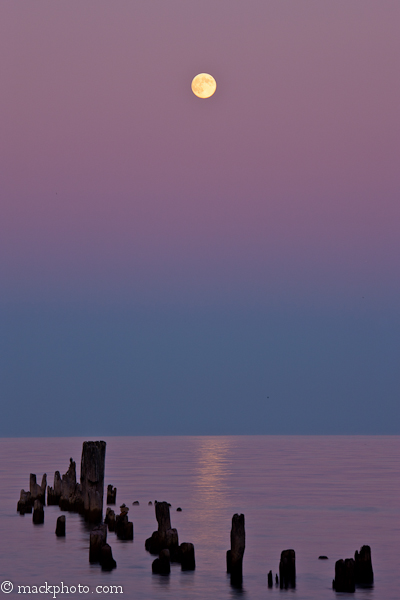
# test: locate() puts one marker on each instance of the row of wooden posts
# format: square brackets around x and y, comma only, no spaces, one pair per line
[86,497]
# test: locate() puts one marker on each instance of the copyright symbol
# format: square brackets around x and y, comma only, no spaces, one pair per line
[6,587]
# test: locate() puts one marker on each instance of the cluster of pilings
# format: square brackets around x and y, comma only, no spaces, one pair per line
[85,497]
[165,543]
[34,499]
[350,572]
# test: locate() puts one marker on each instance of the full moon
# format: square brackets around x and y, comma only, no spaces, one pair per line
[204,85]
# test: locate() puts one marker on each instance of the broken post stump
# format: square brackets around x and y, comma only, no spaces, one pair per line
[344,576]
[234,557]
[270,580]
[98,537]
[123,527]
[110,519]
[60,526]
[38,492]
[287,569]
[186,556]
[162,564]
[38,513]
[54,493]
[111,494]
[70,497]
[165,537]
[106,558]
[92,479]
[24,503]
[363,572]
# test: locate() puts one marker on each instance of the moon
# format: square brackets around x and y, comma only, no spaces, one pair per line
[204,85]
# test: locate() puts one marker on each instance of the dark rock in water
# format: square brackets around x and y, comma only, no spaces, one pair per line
[111,494]
[106,558]
[287,569]
[322,557]
[54,493]
[344,576]
[38,513]
[363,572]
[149,503]
[234,557]
[123,527]
[110,519]
[270,580]
[179,509]
[38,492]
[25,503]
[162,564]
[92,479]
[136,503]
[98,538]
[60,526]
[186,555]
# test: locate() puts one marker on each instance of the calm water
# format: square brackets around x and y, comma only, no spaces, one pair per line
[318,495]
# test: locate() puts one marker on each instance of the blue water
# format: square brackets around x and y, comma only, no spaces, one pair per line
[318,495]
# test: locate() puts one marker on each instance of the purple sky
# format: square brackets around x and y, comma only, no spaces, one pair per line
[121,189]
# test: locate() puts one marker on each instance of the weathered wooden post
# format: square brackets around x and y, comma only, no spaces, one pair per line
[123,527]
[106,558]
[98,537]
[38,492]
[186,555]
[24,503]
[234,556]
[38,513]
[165,536]
[54,493]
[363,572]
[270,580]
[287,569]
[162,564]
[111,494]
[344,576]
[92,479]
[68,487]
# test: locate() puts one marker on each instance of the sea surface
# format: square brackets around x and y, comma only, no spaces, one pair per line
[317,495]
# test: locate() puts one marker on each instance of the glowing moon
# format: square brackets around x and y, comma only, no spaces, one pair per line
[204,85]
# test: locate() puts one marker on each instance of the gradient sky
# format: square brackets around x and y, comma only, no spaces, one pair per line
[171,265]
